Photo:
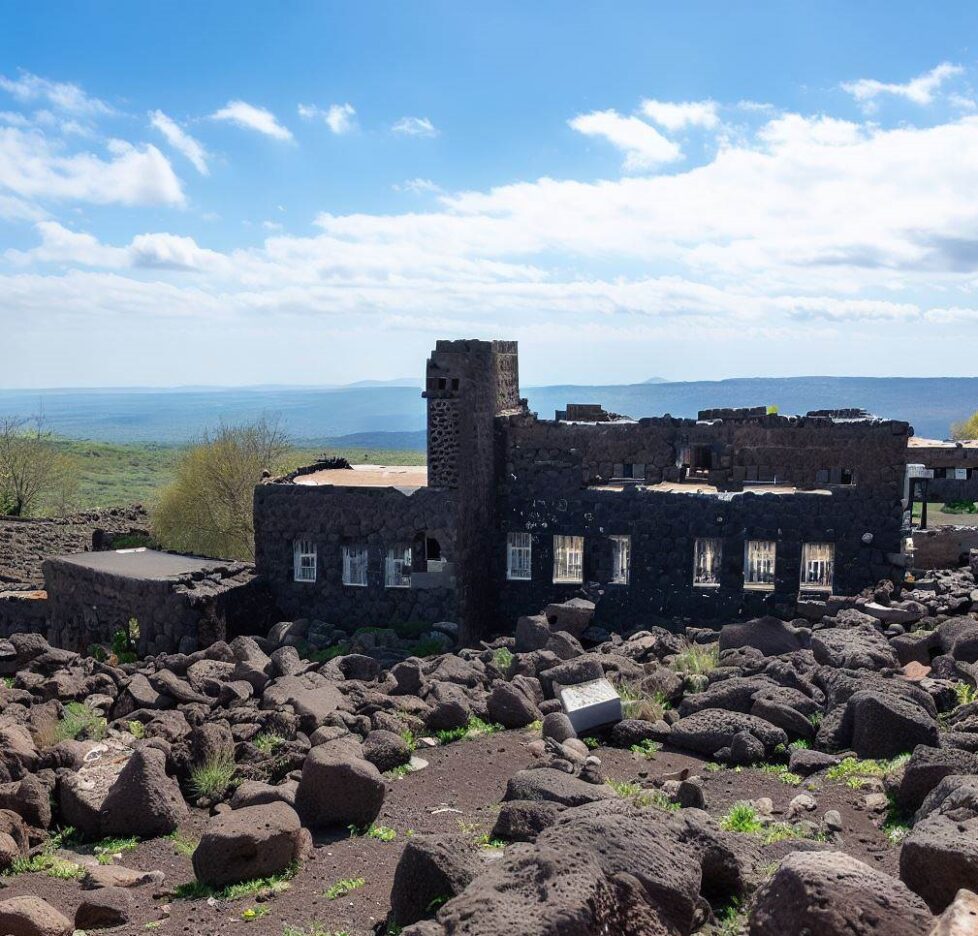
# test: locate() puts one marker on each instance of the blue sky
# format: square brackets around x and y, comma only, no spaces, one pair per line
[243,193]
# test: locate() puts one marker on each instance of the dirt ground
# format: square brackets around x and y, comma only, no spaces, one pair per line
[458,792]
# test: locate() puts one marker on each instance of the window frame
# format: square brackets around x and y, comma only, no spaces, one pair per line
[621,572]
[566,546]
[750,583]
[805,583]
[395,565]
[514,549]
[699,546]
[303,571]
[348,552]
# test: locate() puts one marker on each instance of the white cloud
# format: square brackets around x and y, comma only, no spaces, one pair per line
[180,140]
[644,147]
[676,116]
[415,126]
[63,96]
[417,186]
[340,118]
[34,167]
[919,90]
[250,117]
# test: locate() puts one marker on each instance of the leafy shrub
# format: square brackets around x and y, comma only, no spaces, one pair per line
[503,659]
[741,817]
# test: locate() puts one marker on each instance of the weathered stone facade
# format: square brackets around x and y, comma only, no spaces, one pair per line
[207,600]
[951,470]
[495,469]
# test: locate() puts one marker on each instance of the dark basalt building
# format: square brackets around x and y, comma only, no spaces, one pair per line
[658,519]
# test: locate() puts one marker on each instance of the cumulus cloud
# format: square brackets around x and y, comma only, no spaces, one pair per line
[677,116]
[63,96]
[250,117]
[415,127]
[644,147]
[919,90]
[180,140]
[340,118]
[34,167]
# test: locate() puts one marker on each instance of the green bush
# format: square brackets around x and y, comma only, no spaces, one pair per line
[211,779]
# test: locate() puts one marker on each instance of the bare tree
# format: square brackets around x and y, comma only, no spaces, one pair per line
[208,508]
[33,473]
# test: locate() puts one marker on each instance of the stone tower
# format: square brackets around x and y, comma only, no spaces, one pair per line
[468,383]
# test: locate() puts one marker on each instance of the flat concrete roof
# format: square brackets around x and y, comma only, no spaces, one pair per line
[141,563]
[402,477]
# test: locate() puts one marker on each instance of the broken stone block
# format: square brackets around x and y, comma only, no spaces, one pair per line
[591,704]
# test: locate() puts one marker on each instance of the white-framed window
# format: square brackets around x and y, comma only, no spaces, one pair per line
[304,560]
[759,562]
[569,559]
[707,554]
[519,556]
[355,564]
[621,559]
[817,566]
[397,569]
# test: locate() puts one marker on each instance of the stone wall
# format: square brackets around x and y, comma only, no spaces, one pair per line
[331,516]
[23,610]
[944,546]
[663,527]
[87,606]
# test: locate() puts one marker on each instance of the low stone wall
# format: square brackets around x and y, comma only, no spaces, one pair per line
[178,614]
[943,547]
[23,610]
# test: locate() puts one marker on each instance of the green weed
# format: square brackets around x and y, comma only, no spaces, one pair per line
[647,748]
[183,844]
[80,721]
[502,659]
[343,887]
[212,778]
[258,888]
[374,831]
[697,659]
[267,742]
[741,817]
[106,850]
[472,729]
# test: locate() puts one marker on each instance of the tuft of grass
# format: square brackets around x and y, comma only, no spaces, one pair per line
[80,721]
[407,736]
[267,742]
[591,743]
[741,817]
[503,659]
[212,778]
[647,748]
[399,772]
[855,772]
[966,693]
[731,919]
[639,796]
[800,745]
[48,865]
[254,913]
[343,887]
[696,660]
[780,831]
[107,850]
[472,729]
[374,831]
[782,773]
[259,888]
[642,705]
[183,844]
[713,767]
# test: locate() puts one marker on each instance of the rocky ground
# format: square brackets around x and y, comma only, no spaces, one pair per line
[816,776]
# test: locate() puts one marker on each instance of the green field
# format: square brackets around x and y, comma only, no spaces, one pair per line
[113,475]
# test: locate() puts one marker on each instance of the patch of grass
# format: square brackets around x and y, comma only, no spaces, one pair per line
[472,729]
[267,742]
[591,743]
[741,817]
[212,778]
[638,796]
[106,850]
[80,721]
[966,693]
[137,729]
[374,831]
[800,745]
[254,913]
[713,767]
[855,772]
[49,865]
[329,653]
[262,888]
[647,748]
[782,773]
[503,659]
[407,736]
[343,887]
[731,919]
[780,831]
[642,705]
[399,772]
[535,726]
[8,681]
[183,844]
[697,659]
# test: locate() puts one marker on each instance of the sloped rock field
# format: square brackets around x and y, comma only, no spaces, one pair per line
[811,776]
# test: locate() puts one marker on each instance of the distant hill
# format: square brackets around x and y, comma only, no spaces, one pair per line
[394,416]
